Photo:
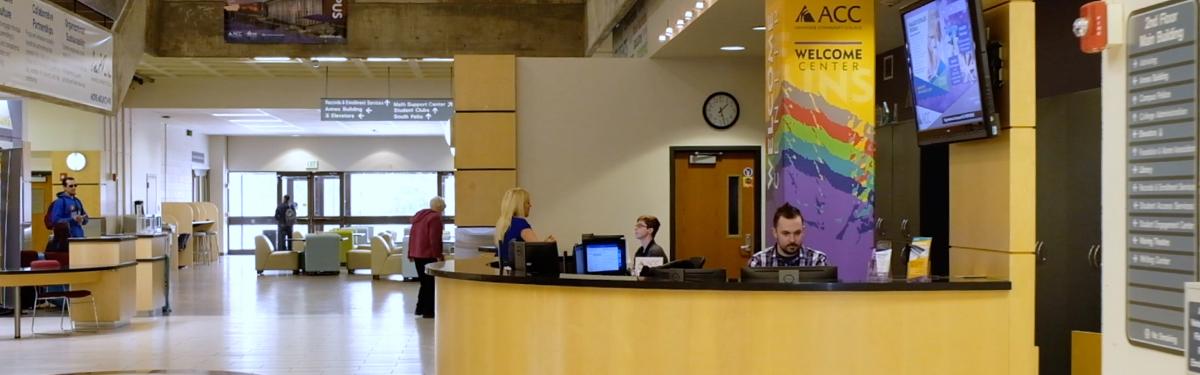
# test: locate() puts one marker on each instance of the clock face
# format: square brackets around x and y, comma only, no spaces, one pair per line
[76,161]
[721,110]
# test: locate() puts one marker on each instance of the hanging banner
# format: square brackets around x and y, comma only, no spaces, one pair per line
[52,52]
[820,131]
[286,21]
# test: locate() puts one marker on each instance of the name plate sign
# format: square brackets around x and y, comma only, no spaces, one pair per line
[1161,173]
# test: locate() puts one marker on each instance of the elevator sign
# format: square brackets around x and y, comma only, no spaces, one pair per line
[383,109]
[1160,173]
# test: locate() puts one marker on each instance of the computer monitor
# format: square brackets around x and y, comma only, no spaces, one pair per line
[789,275]
[589,237]
[690,275]
[600,257]
[535,259]
[689,263]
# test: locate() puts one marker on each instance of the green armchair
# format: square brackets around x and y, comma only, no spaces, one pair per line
[347,243]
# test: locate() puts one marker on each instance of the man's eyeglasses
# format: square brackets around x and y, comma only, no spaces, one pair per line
[639,225]
[74,185]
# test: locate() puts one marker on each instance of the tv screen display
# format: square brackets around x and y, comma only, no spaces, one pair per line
[948,71]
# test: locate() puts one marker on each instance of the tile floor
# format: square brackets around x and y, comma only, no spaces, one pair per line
[228,319]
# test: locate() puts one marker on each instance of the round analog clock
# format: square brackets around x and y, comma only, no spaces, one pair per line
[76,161]
[721,110]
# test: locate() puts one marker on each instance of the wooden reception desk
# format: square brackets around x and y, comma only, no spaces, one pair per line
[115,289]
[153,273]
[488,323]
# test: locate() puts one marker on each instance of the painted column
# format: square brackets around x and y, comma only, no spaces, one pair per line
[820,135]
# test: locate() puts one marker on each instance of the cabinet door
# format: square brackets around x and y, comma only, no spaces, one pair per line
[906,181]
[883,181]
[1068,223]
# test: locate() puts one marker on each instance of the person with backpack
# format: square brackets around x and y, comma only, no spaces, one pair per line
[67,208]
[285,218]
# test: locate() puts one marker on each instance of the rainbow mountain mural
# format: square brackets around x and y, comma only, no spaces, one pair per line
[821,159]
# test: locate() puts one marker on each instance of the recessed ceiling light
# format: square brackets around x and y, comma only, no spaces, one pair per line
[699,5]
[329,59]
[759,28]
[385,59]
[241,115]
[678,23]
[687,15]
[662,38]
[733,48]
[437,59]
[670,31]
[255,120]
[272,59]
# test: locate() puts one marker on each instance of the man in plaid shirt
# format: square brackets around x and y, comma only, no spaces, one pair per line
[789,249]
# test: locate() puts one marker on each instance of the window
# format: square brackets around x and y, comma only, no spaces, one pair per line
[252,194]
[448,192]
[391,194]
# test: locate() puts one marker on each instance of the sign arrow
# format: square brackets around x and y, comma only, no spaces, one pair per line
[360,116]
[428,116]
[369,110]
[435,110]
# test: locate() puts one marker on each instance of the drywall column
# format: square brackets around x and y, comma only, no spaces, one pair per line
[993,188]
[484,136]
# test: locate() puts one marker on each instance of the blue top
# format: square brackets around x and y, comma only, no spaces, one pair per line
[515,227]
[64,209]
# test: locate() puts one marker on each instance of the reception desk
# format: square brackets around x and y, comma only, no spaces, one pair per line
[153,273]
[489,323]
[115,291]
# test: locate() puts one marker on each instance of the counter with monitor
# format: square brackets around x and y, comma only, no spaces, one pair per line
[701,323]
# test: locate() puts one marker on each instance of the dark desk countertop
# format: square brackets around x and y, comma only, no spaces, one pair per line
[103,239]
[476,269]
[30,271]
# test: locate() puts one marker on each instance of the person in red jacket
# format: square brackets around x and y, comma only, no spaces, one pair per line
[425,247]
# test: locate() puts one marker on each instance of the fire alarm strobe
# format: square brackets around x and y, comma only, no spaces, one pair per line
[1092,27]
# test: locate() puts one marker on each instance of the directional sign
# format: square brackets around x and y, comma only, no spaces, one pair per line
[1161,175]
[384,109]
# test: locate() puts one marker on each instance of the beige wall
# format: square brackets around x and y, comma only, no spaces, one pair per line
[52,127]
[274,93]
[1119,356]
[248,154]
[593,135]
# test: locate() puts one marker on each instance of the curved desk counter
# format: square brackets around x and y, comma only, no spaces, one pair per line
[111,286]
[488,323]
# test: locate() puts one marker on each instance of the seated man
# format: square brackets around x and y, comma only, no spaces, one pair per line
[789,249]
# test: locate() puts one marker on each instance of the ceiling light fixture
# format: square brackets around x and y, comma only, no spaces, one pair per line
[679,23]
[759,28]
[670,31]
[437,59]
[733,48]
[329,59]
[241,115]
[255,120]
[688,15]
[385,59]
[699,5]
[662,37]
[272,59]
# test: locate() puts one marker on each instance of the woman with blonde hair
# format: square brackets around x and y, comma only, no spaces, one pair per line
[512,226]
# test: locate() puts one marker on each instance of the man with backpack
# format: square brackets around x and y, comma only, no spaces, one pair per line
[285,218]
[67,208]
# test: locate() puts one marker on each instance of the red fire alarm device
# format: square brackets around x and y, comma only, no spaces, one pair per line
[1092,27]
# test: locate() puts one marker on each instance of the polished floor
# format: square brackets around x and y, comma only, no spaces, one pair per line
[228,319]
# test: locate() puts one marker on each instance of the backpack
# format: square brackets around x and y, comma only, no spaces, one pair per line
[48,219]
[289,215]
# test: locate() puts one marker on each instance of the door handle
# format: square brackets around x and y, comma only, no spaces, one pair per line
[1096,255]
[747,247]
[880,231]
[1037,252]
[904,231]
[1091,256]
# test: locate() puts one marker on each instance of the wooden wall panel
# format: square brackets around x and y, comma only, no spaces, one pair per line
[485,83]
[485,140]
[478,194]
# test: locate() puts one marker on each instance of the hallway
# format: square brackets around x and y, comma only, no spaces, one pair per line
[228,319]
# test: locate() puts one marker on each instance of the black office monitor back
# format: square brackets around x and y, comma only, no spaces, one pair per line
[709,275]
[789,275]
[535,259]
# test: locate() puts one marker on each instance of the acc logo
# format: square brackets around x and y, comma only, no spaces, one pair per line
[838,14]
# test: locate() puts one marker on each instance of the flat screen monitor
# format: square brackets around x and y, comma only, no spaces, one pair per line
[790,275]
[535,259]
[949,72]
[600,257]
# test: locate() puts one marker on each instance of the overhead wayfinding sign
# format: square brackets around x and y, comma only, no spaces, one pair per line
[382,109]
[49,51]
[1161,172]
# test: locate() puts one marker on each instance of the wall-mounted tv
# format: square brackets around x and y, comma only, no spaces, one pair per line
[948,67]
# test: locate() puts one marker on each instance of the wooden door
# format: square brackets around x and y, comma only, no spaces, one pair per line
[715,208]
[1068,224]
[42,195]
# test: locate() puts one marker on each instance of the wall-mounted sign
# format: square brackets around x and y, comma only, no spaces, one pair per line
[49,51]
[383,109]
[197,157]
[1161,173]
[286,21]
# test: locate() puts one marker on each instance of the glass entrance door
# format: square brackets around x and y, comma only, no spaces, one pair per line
[318,198]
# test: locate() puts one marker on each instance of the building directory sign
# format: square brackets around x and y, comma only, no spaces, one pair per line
[384,109]
[1161,172]
[49,51]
